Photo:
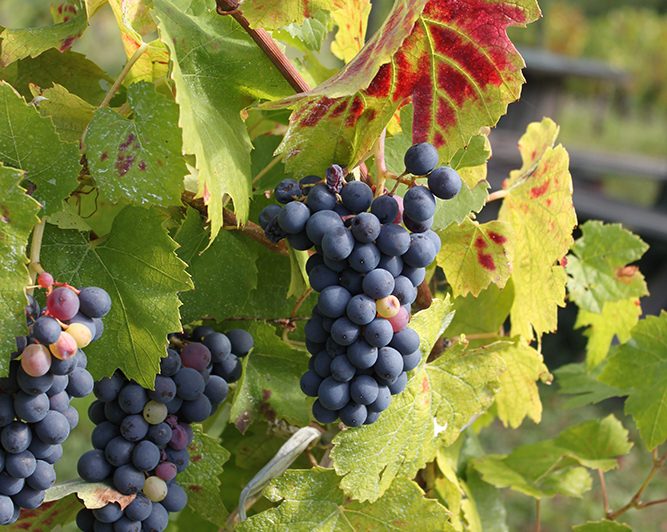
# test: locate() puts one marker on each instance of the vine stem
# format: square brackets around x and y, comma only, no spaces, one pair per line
[34,267]
[497,195]
[381,163]
[266,43]
[123,74]
[538,515]
[603,489]
[635,502]
[267,169]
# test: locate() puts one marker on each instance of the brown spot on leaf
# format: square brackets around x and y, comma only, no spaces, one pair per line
[540,190]
[627,274]
[242,422]
[142,166]
[104,156]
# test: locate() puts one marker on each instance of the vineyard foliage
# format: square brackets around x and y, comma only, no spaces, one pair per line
[150,183]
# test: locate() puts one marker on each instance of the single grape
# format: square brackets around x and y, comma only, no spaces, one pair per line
[361,310]
[118,451]
[337,244]
[364,257]
[80,383]
[33,408]
[165,389]
[108,388]
[435,240]
[16,437]
[405,341]
[371,417]
[365,227]
[416,275]
[43,477]
[155,488]
[351,281]
[20,465]
[393,264]
[125,525]
[10,485]
[132,398]
[287,190]
[159,434]
[393,240]
[218,344]
[114,412]
[333,394]
[139,509]
[65,347]
[96,412]
[196,411]
[388,307]
[314,260]
[72,416]
[45,280]
[383,400]
[176,498]
[401,320]
[53,429]
[216,390]
[322,414]
[300,241]
[412,360]
[404,290]
[385,208]
[364,390]
[109,513]
[344,332]
[399,384]
[333,301]
[166,471]
[189,384]
[36,360]
[321,364]
[310,383]
[154,412]
[379,332]
[81,333]
[335,265]
[378,284]
[320,198]
[320,223]
[145,456]
[170,364]
[134,428]
[29,498]
[241,341]
[229,369]
[268,214]
[293,217]
[357,196]
[362,355]
[421,159]
[421,252]
[341,369]
[419,204]
[322,277]
[180,458]
[445,182]
[45,330]
[34,385]
[93,467]
[196,356]
[158,519]
[7,413]
[389,364]
[417,227]
[85,520]
[128,480]
[62,303]
[353,414]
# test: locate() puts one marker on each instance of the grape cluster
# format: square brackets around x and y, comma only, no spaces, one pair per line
[371,254]
[142,436]
[46,371]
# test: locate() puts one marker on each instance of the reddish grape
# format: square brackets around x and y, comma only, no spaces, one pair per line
[62,303]
[196,356]
[179,438]
[45,280]
[65,347]
[166,471]
[399,216]
[401,320]
[36,360]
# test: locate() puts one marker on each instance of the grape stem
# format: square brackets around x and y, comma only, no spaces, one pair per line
[380,163]
[34,267]
[123,74]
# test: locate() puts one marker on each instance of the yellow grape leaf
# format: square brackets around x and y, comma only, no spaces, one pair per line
[351,17]
[540,211]
[269,16]
[475,255]
[616,319]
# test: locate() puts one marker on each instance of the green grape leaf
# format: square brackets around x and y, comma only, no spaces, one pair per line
[69,113]
[201,41]
[597,269]
[616,320]
[457,64]
[138,160]
[70,21]
[299,282]
[518,396]
[488,502]
[47,517]
[441,398]
[269,386]
[602,526]
[201,479]
[31,143]
[307,36]
[475,256]
[263,13]
[311,500]
[539,209]
[483,314]
[351,17]
[137,264]
[640,368]
[581,386]
[72,70]
[17,216]
[219,291]
[553,467]
[93,5]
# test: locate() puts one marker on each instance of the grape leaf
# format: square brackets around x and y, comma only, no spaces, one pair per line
[311,500]
[202,42]
[137,265]
[219,292]
[70,21]
[47,517]
[639,367]
[93,5]
[351,17]
[69,113]
[269,385]
[441,398]
[93,494]
[134,21]
[263,13]
[602,526]
[483,314]
[518,396]
[598,270]
[475,255]
[299,281]
[488,503]
[30,142]
[539,209]
[616,320]
[456,63]
[138,160]
[72,70]
[582,387]
[201,479]
[551,467]
[17,216]
[307,36]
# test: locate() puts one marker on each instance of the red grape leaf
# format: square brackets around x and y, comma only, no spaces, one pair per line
[457,65]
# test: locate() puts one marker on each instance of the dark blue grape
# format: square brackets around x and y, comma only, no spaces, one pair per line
[399,384]
[59,385]
[128,480]
[333,301]
[393,264]
[362,355]
[412,360]
[320,198]
[229,369]
[94,302]
[157,521]
[435,240]
[335,265]
[145,456]
[241,341]
[383,400]
[393,240]
[43,477]
[379,332]
[80,383]
[180,458]
[321,364]
[93,467]
[404,290]
[16,437]
[310,382]
[361,310]
[419,204]
[104,433]
[196,411]
[385,208]
[300,241]
[108,388]
[96,412]
[114,412]
[378,284]
[417,227]
[405,341]
[10,485]
[62,367]
[314,260]
[314,329]
[29,498]
[118,451]
[344,332]
[7,413]
[268,214]
[445,182]
[109,513]
[216,389]
[333,394]
[139,509]
[357,196]
[159,434]
[165,390]
[134,428]
[274,232]
[320,224]
[125,525]
[364,390]
[371,417]
[421,159]
[364,257]
[287,190]
[85,520]
[322,414]
[366,227]
[334,349]
[132,398]
[416,275]
[20,465]
[46,330]
[293,217]
[6,510]
[33,408]
[389,364]
[353,414]
[421,252]
[351,281]
[219,346]
[176,498]
[53,429]
[189,384]
[34,385]
[337,244]
[170,364]
[341,369]
[321,277]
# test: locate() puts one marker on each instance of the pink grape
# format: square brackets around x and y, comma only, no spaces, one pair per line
[399,216]
[63,303]
[388,307]
[196,356]
[179,438]
[166,471]
[65,347]
[36,360]
[400,321]
[45,280]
